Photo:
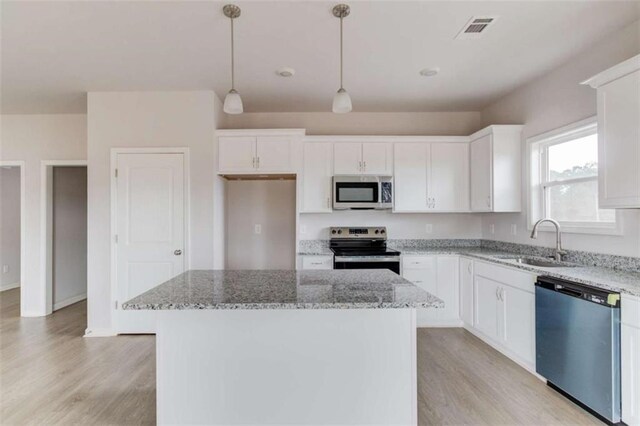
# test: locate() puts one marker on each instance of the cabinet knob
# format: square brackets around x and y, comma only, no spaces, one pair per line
[177,252]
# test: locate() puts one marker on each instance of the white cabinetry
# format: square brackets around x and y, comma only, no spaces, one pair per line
[317,171]
[356,158]
[504,310]
[431,177]
[496,169]
[630,354]
[316,262]
[466,291]
[257,151]
[618,94]
[437,275]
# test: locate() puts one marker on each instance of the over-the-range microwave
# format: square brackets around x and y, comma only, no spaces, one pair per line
[362,192]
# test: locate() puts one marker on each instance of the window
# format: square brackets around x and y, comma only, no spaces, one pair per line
[564,173]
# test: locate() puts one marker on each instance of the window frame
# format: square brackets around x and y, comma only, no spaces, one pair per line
[537,161]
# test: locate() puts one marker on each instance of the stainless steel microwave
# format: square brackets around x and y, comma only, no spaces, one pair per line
[362,192]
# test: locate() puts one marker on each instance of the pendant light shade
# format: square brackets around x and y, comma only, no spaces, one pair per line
[232,102]
[341,100]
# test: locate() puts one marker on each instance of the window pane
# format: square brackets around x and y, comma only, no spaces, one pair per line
[574,159]
[577,202]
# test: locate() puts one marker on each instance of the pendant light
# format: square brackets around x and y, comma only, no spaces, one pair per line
[232,102]
[341,100]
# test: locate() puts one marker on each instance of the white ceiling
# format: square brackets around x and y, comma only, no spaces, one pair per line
[54,52]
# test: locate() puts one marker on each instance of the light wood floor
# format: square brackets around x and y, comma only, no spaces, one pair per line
[50,374]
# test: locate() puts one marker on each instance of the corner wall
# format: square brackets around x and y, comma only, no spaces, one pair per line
[550,102]
[146,119]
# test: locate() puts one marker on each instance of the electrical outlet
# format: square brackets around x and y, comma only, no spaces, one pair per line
[5,269]
[514,229]
[303,229]
[258,229]
[492,229]
[428,228]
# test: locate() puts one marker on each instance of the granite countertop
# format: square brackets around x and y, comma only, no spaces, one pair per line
[335,289]
[623,281]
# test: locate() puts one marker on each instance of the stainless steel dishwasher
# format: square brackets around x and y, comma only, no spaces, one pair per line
[578,343]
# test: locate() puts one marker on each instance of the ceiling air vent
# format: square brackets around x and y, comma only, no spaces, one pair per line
[476,27]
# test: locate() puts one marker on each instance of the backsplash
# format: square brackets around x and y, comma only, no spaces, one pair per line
[574,256]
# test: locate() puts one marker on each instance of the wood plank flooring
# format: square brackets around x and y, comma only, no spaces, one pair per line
[50,374]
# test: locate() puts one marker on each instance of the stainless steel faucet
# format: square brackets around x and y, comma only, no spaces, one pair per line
[559,251]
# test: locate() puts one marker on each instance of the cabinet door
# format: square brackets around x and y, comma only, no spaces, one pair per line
[518,333]
[466,291]
[486,306]
[317,173]
[630,373]
[619,142]
[410,177]
[236,153]
[449,172]
[273,154]
[481,174]
[447,278]
[426,279]
[376,159]
[347,158]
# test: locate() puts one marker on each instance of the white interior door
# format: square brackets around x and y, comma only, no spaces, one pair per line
[150,228]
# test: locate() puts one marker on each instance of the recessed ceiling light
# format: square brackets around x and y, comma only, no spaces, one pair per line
[286,72]
[429,72]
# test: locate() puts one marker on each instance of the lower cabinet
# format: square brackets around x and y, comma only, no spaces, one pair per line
[437,275]
[504,310]
[630,355]
[316,262]
[466,291]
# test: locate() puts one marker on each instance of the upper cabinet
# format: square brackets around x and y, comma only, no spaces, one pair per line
[257,152]
[431,177]
[368,158]
[495,169]
[618,100]
[317,173]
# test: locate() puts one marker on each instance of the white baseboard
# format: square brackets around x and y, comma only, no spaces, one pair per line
[69,301]
[441,324]
[9,286]
[99,332]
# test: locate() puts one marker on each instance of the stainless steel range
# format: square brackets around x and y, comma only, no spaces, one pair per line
[363,248]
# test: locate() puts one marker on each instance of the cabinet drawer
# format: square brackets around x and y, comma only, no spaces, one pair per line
[630,310]
[417,262]
[317,262]
[505,275]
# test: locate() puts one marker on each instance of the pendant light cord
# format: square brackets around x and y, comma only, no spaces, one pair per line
[341,56]
[232,60]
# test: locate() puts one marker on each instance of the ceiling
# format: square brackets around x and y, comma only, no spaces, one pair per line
[53,52]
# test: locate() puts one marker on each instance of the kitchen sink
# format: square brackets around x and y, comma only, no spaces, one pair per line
[538,262]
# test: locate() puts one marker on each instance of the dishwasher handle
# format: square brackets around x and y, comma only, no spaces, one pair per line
[568,291]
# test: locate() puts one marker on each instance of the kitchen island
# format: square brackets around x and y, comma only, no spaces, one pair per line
[295,347]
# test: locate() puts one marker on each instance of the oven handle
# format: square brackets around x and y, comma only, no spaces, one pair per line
[366,259]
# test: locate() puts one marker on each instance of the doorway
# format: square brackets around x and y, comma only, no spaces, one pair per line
[10,226]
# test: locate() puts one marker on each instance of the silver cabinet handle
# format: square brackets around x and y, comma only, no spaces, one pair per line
[360,166]
[469,267]
[497,293]
[364,166]
[253,162]
[177,252]
[258,162]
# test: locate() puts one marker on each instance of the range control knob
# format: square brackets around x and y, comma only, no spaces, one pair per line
[339,231]
[377,231]
[333,231]
[382,231]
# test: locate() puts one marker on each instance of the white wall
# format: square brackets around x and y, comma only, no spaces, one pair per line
[552,101]
[361,123]
[9,227]
[270,204]
[146,119]
[69,245]
[33,138]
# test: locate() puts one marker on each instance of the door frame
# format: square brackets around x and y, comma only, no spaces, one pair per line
[114,219]
[46,225]
[21,165]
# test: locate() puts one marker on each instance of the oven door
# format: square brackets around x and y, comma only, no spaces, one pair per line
[367,262]
[352,194]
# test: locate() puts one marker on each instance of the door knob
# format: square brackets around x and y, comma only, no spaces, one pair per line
[177,252]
